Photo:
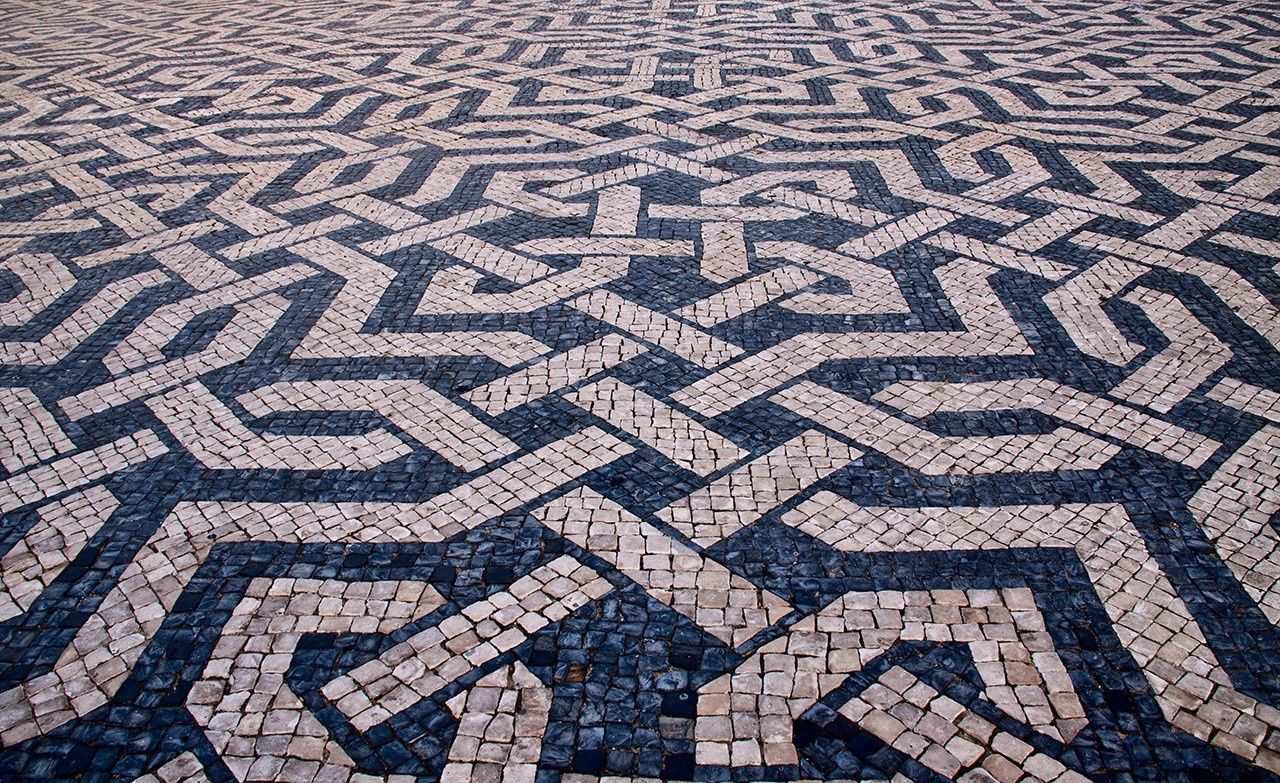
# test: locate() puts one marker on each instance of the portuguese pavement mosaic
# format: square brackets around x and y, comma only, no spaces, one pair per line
[617,390]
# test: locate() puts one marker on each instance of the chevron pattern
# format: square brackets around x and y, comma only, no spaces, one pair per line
[637,390]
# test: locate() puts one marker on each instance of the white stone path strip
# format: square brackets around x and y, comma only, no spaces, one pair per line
[682,339]
[1247,397]
[553,373]
[28,431]
[737,499]
[218,439]
[338,334]
[1193,691]
[1104,417]
[61,530]
[948,737]
[77,470]
[1000,254]
[932,454]
[1235,291]
[44,280]
[257,724]
[745,717]
[183,768]
[722,603]
[453,290]
[428,661]
[501,722]
[139,363]
[413,229]
[1236,504]
[724,251]
[145,344]
[719,601]
[1193,356]
[1235,507]
[104,651]
[419,411]
[989,331]
[1077,306]
[873,289]
[242,334]
[751,294]
[671,433]
[77,327]
[492,258]
[501,718]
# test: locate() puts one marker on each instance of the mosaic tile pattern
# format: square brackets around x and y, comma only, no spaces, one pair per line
[639,390]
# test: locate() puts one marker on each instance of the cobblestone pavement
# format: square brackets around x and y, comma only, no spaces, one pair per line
[625,390]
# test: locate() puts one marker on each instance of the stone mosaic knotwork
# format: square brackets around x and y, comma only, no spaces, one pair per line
[639,390]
